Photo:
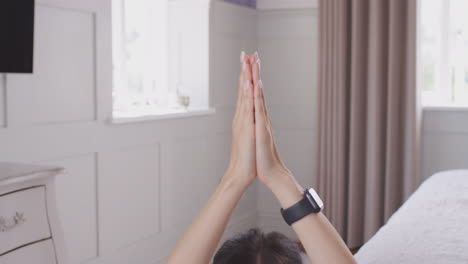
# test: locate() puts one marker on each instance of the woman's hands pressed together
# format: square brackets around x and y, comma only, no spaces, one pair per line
[254,151]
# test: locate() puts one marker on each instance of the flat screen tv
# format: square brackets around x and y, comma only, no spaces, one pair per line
[16,36]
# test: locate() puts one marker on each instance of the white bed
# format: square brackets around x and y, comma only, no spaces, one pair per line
[431,227]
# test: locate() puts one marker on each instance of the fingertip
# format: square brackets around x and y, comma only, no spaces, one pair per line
[248,72]
[243,57]
[244,67]
[255,56]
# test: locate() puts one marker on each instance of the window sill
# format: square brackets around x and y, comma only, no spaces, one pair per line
[447,108]
[155,117]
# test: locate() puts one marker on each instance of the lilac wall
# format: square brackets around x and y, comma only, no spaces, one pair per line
[248,3]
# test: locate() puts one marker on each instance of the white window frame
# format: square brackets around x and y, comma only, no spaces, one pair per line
[440,96]
[188,53]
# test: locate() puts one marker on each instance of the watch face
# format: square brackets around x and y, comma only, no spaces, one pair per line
[314,198]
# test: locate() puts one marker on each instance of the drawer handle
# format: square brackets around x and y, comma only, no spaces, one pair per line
[16,220]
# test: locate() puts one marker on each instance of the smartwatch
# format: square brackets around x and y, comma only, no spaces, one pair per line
[310,204]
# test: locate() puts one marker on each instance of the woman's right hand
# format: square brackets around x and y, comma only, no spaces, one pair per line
[242,164]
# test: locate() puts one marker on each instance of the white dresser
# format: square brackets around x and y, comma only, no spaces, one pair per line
[30,232]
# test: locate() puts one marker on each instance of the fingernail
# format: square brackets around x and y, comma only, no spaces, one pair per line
[246,85]
[257,57]
[244,66]
[260,84]
[242,57]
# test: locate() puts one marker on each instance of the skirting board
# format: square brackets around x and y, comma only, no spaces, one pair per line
[286,4]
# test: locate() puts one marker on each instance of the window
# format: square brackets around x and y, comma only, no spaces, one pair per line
[150,75]
[444,52]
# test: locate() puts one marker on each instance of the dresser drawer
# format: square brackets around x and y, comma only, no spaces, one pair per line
[23,218]
[38,253]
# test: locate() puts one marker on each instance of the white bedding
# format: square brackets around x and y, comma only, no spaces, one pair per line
[431,227]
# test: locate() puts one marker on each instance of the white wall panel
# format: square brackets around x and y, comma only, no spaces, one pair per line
[233,29]
[191,183]
[288,66]
[444,141]
[62,87]
[448,151]
[129,205]
[287,43]
[77,205]
[441,120]
[226,71]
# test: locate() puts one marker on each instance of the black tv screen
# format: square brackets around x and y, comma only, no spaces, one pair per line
[16,35]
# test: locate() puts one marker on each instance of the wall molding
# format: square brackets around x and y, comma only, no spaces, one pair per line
[111,183]
[286,4]
[445,121]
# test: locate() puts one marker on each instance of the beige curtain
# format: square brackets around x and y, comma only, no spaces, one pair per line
[368,118]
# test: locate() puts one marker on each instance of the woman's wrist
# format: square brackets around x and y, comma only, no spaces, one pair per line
[286,189]
[234,180]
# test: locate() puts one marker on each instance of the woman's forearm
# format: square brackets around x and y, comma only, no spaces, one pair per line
[200,241]
[319,238]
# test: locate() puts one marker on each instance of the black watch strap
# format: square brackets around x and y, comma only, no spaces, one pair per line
[299,210]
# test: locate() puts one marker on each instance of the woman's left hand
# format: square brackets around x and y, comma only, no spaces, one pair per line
[242,169]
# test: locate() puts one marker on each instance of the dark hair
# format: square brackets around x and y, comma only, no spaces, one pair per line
[255,247]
